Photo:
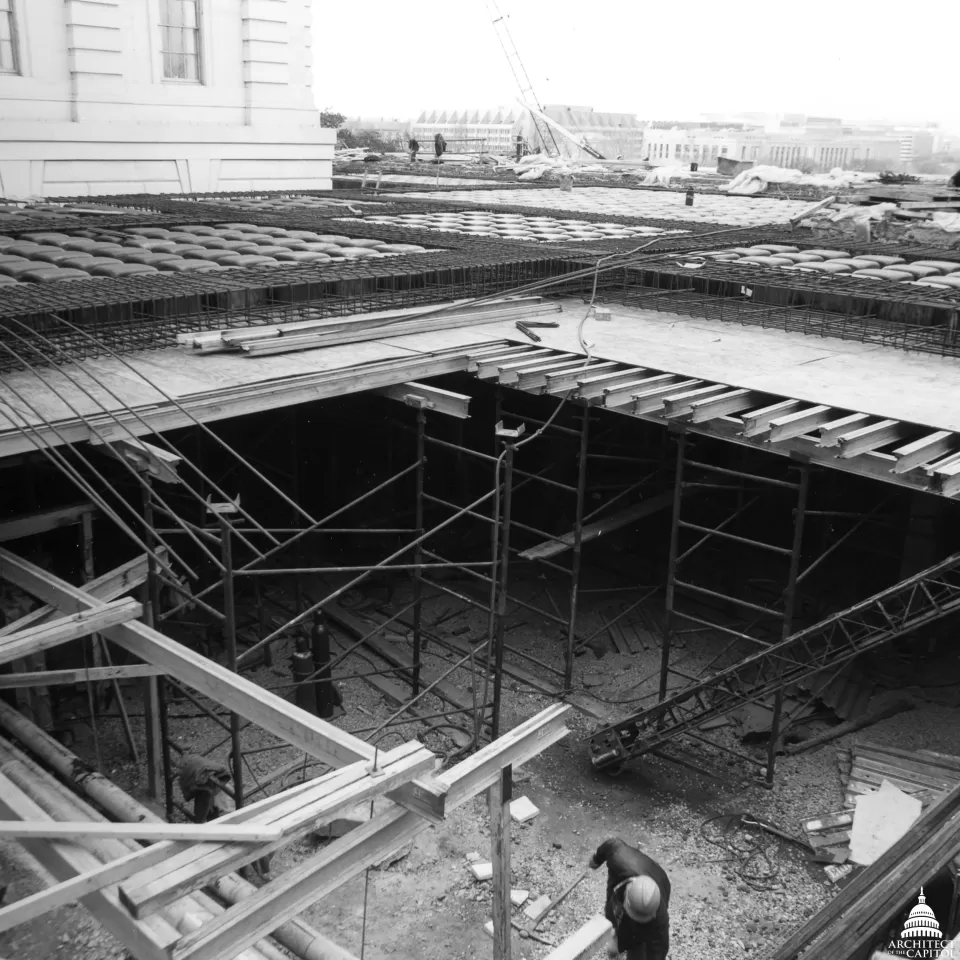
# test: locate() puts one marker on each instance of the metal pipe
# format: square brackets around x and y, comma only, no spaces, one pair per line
[287,571]
[418,555]
[509,451]
[672,563]
[766,611]
[711,531]
[785,484]
[790,598]
[733,516]
[230,638]
[577,549]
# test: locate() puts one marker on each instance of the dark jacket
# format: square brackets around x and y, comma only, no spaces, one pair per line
[624,862]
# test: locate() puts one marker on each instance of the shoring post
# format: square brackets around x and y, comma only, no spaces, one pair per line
[672,564]
[790,603]
[159,769]
[295,473]
[501,793]
[577,549]
[222,512]
[418,552]
[509,438]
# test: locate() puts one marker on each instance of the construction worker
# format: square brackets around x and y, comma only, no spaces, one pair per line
[439,146]
[414,147]
[638,896]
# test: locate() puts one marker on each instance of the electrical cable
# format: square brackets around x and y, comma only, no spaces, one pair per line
[750,851]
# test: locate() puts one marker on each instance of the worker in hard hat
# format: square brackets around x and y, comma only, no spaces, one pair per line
[638,897]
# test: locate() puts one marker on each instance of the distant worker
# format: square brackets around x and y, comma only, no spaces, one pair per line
[439,146]
[519,147]
[414,149]
[638,897]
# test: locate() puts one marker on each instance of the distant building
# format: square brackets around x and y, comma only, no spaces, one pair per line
[385,127]
[680,146]
[158,96]
[495,130]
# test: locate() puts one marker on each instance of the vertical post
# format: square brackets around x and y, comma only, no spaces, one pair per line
[230,638]
[501,794]
[86,522]
[577,534]
[418,552]
[672,564]
[298,546]
[153,700]
[789,604]
[508,436]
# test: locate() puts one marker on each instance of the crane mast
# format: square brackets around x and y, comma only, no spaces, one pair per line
[520,75]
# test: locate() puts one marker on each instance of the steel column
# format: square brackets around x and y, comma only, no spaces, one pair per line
[577,548]
[501,612]
[230,638]
[672,565]
[418,552]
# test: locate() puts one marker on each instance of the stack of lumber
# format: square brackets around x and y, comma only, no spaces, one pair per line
[854,917]
[259,341]
[925,774]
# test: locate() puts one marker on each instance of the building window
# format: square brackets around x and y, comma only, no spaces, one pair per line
[9,58]
[180,39]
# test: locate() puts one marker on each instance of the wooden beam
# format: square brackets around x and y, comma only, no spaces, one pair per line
[758,421]
[590,531]
[107,587]
[585,942]
[225,935]
[34,639]
[79,887]
[925,450]
[189,869]
[66,861]
[651,400]
[500,796]
[55,678]
[192,832]
[30,524]
[314,736]
[872,437]
[145,457]
[431,398]
[799,423]
[681,404]
[833,430]
[620,393]
[733,401]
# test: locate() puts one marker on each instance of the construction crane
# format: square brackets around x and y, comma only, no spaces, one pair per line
[552,124]
[527,93]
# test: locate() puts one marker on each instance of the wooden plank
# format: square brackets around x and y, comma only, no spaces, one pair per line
[499,797]
[616,637]
[314,736]
[758,422]
[585,942]
[681,404]
[78,887]
[30,524]
[189,869]
[624,392]
[833,430]
[225,935]
[66,861]
[799,423]
[930,204]
[590,531]
[54,678]
[192,832]
[829,821]
[651,400]
[731,402]
[14,646]
[433,398]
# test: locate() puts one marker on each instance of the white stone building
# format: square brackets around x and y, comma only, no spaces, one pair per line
[158,96]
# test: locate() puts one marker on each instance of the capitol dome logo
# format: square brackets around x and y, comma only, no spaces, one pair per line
[921,937]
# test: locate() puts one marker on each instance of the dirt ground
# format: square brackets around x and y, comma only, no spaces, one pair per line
[733,895]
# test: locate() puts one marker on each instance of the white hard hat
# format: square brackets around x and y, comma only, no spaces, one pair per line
[641,899]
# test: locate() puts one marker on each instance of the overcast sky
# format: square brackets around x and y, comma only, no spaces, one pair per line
[668,60]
